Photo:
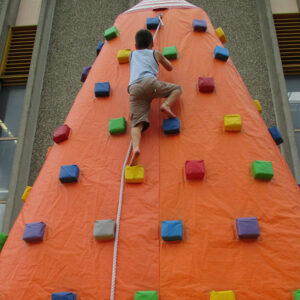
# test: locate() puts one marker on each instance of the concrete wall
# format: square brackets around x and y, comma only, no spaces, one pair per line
[1,5]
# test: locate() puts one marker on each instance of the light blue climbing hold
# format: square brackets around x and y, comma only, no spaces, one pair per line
[171,230]
[221,53]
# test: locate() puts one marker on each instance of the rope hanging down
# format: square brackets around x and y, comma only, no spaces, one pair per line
[113,280]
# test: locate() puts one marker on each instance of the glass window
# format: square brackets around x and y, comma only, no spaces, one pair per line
[7,151]
[297,135]
[11,105]
[294,99]
[2,210]
[293,88]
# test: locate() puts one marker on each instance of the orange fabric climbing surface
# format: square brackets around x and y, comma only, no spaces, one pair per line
[209,257]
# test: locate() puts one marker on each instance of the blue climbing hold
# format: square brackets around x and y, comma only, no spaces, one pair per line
[152,23]
[171,126]
[276,135]
[221,53]
[199,25]
[63,296]
[102,89]
[171,230]
[85,73]
[99,47]
[69,173]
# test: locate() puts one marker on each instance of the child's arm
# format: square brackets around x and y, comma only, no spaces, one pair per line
[164,61]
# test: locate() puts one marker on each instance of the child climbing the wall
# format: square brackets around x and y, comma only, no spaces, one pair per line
[144,87]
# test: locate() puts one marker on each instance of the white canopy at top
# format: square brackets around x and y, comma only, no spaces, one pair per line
[155,4]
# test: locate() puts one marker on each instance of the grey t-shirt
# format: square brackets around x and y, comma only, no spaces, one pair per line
[143,64]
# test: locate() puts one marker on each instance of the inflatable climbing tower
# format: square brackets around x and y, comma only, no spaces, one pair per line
[212,211]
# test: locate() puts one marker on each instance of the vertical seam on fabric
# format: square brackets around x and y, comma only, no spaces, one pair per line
[158,221]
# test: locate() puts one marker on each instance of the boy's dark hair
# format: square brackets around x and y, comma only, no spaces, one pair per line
[143,39]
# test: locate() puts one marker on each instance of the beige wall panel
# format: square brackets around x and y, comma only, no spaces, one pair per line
[284,6]
[29,11]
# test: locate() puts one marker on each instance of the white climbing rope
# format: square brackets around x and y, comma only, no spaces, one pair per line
[157,29]
[113,279]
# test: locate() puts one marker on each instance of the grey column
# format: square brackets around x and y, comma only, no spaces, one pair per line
[278,87]
[22,159]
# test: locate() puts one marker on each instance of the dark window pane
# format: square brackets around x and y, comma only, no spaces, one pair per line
[292,83]
[297,136]
[295,110]
[7,151]
[2,210]
[11,105]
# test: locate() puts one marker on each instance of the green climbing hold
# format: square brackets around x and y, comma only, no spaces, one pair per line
[297,295]
[117,126]
[3,237]
[111,33]
[146,295]
[262,169]
[170,52]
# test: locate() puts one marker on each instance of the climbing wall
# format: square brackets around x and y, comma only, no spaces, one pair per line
[204,223]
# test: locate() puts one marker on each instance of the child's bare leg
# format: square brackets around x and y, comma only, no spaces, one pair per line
[166,106]
[136,134]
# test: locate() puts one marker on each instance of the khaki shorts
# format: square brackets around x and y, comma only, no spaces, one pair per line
[141,95]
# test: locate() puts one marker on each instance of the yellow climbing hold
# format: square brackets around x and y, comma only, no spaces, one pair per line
[123,56]
[26,193]
[221,35]
[222,295]
[134,174]
[232,122]
[258,106]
